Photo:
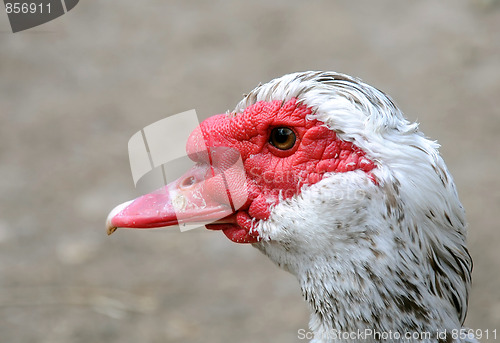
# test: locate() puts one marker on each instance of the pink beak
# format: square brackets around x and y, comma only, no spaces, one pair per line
[203,195]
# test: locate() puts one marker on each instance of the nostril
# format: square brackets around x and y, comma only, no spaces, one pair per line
[187,182]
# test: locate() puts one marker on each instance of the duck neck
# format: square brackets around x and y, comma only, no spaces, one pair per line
[363,300]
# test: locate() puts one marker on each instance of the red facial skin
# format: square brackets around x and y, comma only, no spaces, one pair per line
[270,172]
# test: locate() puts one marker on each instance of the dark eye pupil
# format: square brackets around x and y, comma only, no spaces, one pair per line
[282,134]
[282,138]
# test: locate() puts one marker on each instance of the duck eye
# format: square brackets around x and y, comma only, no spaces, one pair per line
[282,138]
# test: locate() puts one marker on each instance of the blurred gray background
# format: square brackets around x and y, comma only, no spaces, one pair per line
[73,91]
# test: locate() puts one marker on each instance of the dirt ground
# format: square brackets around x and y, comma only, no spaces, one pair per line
[73,91]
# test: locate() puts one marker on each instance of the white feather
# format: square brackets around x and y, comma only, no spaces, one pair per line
[389,256]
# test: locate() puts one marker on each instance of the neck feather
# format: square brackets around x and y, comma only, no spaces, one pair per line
[376,269]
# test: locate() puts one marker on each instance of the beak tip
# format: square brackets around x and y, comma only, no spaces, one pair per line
[115,211]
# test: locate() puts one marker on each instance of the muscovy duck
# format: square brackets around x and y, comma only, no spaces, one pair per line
[340,190]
